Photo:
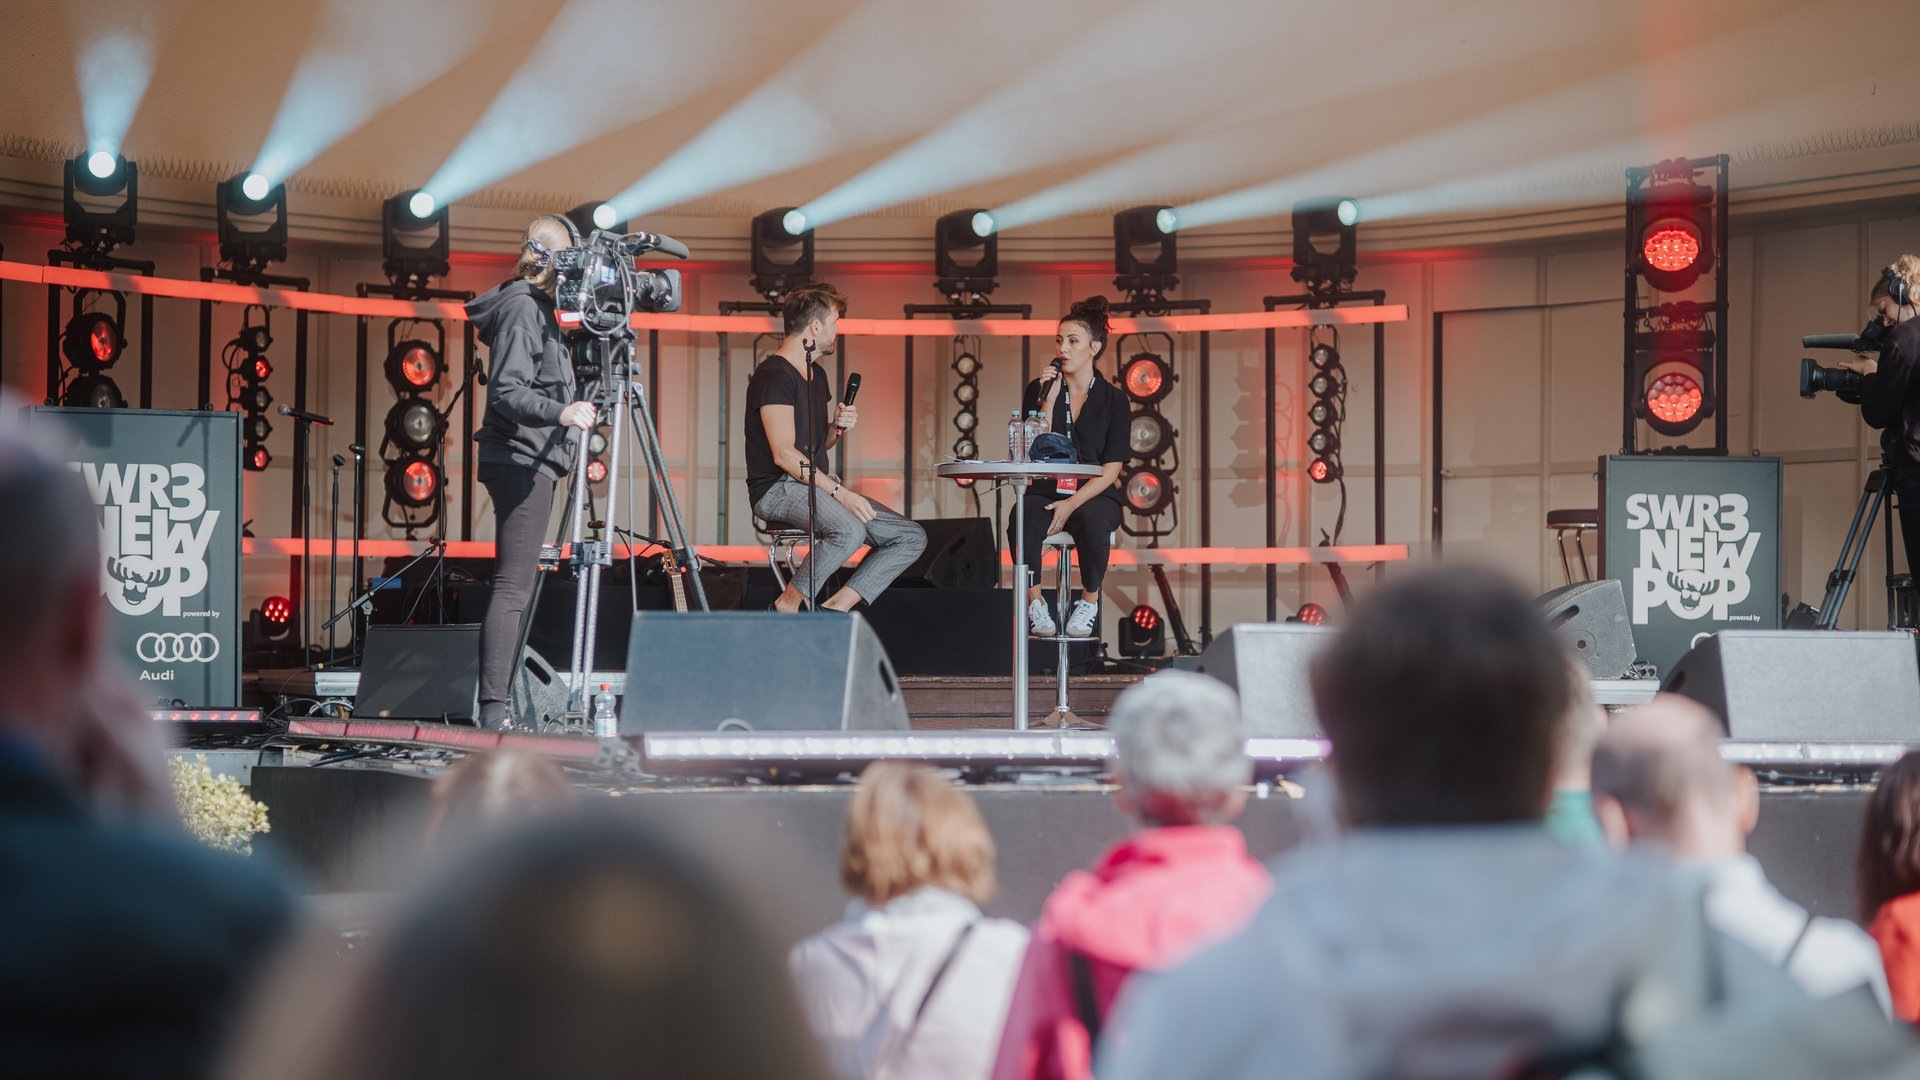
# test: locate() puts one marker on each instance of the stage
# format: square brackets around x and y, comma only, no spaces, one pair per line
[356,828]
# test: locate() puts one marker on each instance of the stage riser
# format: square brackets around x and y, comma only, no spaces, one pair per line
[360,830]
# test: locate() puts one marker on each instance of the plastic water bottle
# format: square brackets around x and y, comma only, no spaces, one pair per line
[1036,426]
[606,722]
[1016,438]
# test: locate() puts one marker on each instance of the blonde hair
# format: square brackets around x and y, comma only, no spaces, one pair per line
[1907,269]
[908,827]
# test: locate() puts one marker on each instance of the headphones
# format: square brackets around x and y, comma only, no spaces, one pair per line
[541,252]
[1897,288]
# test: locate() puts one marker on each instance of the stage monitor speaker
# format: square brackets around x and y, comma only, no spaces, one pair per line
[1591,617]
[758,671]
[1805,685]
[419,673]
[1267,664]
[959,555]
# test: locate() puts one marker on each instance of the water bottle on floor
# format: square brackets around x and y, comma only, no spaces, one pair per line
[1016,438]
[606,722]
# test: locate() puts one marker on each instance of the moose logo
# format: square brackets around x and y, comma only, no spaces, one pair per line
[1695,551]
[154,531]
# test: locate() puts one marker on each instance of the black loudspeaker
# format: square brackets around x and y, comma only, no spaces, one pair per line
[419,673]
[1591,618]
[960,555]
[1267,664]
[758,671]
[1805,685]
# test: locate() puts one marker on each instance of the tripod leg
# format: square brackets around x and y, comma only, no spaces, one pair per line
[641,418]
[1859,534]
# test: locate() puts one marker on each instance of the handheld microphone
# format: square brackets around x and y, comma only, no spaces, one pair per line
[357,449]
[853,387]
[338,461]
[302,414]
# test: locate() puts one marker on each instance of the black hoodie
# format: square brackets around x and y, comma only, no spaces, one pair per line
[531,380]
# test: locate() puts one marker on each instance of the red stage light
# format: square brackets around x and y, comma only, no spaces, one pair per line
[103,337]
[596,471]
[413,365]
[1674,397]
[1320,471]
[262,369]
[1310,613]
[1148,491]
[93,341]
[1147,378]
[1145,618]
[419,481]
[1671,247]
[964,481]
[258,459]
[277,610]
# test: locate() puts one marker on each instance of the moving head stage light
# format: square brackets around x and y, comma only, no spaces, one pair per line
[599,283]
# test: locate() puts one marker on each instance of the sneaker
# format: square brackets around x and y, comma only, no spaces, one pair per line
[1040,619]
[1080,619]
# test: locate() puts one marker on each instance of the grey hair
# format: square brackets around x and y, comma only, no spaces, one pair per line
[1179,747]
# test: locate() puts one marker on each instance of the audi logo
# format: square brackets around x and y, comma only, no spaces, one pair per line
[177,648]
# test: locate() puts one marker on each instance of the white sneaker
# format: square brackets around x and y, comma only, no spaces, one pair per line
[1040,619]
[1080,620]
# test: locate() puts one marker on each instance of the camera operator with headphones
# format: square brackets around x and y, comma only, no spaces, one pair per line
[524,445]
[1891,393]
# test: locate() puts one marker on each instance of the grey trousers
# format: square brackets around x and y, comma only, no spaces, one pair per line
[896,541]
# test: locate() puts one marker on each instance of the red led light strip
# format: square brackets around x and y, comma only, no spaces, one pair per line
[330,304]
[754,553]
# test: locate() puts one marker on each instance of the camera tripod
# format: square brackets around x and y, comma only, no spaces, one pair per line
[1859,533]
[620,400]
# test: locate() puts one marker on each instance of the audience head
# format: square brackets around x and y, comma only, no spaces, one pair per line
[485,791]
[1658,776]
[1180,752]
[908,827]
[1889,862]
[1443,695]
[578,947]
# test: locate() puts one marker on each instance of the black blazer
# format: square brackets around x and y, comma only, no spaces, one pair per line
[1099,428]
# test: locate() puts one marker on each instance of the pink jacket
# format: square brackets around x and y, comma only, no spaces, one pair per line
[1149,902]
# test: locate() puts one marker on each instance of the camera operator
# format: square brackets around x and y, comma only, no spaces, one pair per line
[524,444]
[1890,397]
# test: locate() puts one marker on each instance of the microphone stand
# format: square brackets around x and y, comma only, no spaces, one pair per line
[813,487]
[363,603]
[359,572]
[333,560]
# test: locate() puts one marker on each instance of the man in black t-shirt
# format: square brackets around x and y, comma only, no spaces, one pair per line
[792,421]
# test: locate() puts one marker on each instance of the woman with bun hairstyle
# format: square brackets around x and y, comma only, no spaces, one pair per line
[1092,413]
[1891,397]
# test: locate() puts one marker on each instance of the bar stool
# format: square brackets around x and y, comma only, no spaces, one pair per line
[782,542]
[1577,522]
[1063,544]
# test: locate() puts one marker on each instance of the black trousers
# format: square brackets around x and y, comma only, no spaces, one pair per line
[1906,493]
[1091,527]
[522,505]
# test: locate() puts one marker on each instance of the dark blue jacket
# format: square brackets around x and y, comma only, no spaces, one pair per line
[124,951]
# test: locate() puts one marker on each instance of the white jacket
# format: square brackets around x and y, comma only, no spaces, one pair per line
[862,979]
